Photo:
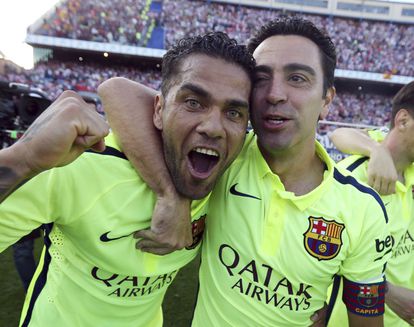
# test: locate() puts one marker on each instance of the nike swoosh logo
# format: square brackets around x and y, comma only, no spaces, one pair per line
[235,192]
[386,204]
[104,237]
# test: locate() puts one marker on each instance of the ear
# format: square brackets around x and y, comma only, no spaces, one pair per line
[158,108]
[402,119]
[330,94]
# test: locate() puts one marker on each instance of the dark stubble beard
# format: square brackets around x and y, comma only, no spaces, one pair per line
[170,158]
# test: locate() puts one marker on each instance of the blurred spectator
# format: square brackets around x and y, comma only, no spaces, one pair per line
[121,21]
[363,45]
[55,77]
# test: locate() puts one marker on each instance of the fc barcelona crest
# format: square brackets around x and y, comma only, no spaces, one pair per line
[368,295]
[323,239]
[197,228]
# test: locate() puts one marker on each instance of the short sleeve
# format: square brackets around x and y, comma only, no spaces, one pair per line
[363,269]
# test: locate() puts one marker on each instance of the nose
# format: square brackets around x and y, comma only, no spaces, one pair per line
[276,92]
[212,124]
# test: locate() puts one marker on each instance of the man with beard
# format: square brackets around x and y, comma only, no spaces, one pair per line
[90,272]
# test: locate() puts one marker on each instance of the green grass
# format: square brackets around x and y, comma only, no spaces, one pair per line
[178,304]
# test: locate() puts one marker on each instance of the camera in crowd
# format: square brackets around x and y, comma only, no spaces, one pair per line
[20,105]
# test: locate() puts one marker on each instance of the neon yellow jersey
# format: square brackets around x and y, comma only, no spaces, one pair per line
[90,273]
[268,256]
[400,209]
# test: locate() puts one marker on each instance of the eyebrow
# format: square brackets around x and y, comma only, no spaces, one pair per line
[195,89]
[288,68]
[296,67]
[204,94]
[263,69]
[237,103]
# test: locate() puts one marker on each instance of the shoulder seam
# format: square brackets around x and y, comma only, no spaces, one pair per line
[356,163]
[362,188]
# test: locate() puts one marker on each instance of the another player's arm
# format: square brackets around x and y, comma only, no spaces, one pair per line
[382,173]
[401,301]
[130,107]
[57,137]
[353,141]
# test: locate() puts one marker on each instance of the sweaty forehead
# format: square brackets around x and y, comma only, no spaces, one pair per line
[279,50]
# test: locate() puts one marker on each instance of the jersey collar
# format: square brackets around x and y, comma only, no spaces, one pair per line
[301,202]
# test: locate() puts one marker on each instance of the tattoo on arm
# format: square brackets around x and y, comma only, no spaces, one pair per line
[34,128]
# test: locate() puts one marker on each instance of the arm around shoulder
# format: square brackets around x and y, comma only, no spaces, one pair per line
[382,173]
[130,109]
[353,141]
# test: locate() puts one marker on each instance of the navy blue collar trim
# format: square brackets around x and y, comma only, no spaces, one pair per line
[357,163]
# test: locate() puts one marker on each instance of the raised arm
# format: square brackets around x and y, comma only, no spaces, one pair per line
[382,173]
[57,137]
[129,108]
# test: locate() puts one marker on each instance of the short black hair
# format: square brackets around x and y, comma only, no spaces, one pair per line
[214,44]
[404,99]
[305,28]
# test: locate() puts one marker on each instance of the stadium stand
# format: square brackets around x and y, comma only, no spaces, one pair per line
[372,46]
[124,21]
[54,77]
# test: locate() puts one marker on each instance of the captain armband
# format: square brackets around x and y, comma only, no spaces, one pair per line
[364,299]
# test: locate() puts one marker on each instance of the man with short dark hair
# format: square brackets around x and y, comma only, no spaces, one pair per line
[376,154]
[283,220]
[90,272]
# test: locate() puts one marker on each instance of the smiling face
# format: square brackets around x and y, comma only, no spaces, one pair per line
[287,98]
[203,119]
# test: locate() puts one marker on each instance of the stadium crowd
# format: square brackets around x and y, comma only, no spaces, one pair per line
[123,21]
[54,77]
[382,47]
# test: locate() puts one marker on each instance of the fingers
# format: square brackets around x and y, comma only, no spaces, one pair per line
[319,317]
[382,185]
[148,240]
[92,128]
[376,184]
[150,243]
[157,251]
[153,247]
[315,317]
[99,147]
[145,234]
[391,188]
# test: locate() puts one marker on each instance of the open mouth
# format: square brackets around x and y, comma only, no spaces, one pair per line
[276,121]
[202,161]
